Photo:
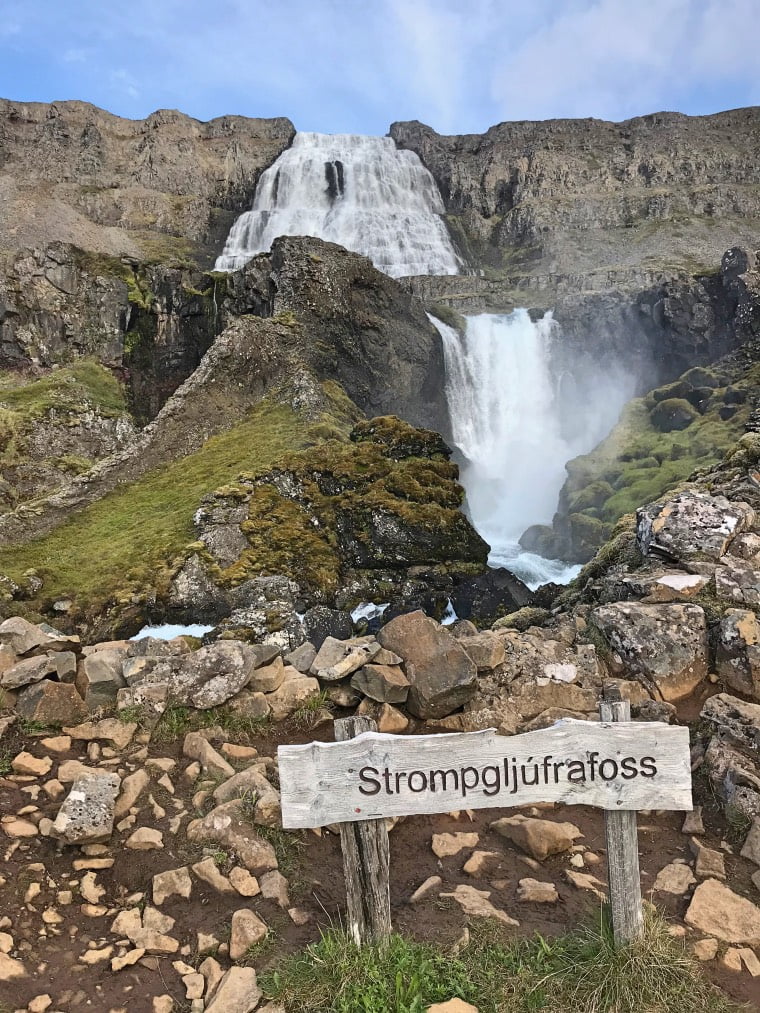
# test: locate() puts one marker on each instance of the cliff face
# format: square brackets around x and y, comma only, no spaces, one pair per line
[166,187]
[582,197]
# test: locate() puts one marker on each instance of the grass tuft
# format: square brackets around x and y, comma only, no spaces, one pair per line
[582,972]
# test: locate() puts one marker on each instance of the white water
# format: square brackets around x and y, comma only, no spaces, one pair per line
[169,632]
[360,192]
[506,421]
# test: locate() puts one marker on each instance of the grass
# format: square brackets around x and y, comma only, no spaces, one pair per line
[83,385]
[177,721]
[289,849]
[581,971]
[128,540]
[5,762]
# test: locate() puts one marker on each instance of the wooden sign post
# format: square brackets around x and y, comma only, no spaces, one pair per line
[366,776]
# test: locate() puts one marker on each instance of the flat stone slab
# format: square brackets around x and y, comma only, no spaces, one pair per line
[87,814]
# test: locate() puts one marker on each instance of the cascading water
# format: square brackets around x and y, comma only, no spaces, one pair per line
[361,192]
[506,423]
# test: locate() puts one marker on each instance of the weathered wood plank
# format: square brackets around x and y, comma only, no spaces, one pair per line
[628,765]
[366,861]
[622,845]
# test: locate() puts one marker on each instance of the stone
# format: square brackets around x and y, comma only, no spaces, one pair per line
[56,743]
[731,960]
[585,881]
[341,694]
[337,659]
[40,1003]
[145,839]
[26,672]
[750,961]
[452,1006]
[665,646]
[446,845]
[250,705]
[195,985]
[247,930]
[674,878]
[705,949]
[444,676]
[64,665]
[132,787]
[691,526]
[18,828]
[10,969]
[237,992]
[390,720]
[431,884]
[208,872]
[21,636]
[120,733]
[382,683]
[692,823]
[268,678]
[717,911]
[274,887]
[533,891]
[486,650]
[100,677]
[90,890]
[197,747]
[538,838]
[292,695]
[26,763]
[129,959]
[172,883]
[737,652]
[163,1004]
[227,826]
[709,863]
[302,657]
[212,675]
[751,846]
[87,814]
[476,904]
[482,863]
[737,581]
[245,884]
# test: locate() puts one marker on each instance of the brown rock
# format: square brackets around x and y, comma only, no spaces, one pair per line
[227,825]
[717,911]
[475,903]
[538,838]
[237,992]
[145,839]
[444,675]
[172,883]
[486,650]
[51,702]
[382,683]
[268,678]
[674,878]
[247,930]
[532,891]
[452,1006]
[26,763]
[446,845]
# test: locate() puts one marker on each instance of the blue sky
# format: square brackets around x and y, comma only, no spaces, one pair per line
[354,66]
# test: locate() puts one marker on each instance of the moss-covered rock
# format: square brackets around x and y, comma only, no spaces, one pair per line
[673,414]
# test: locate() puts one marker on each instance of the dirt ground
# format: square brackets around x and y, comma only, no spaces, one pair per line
[314,870]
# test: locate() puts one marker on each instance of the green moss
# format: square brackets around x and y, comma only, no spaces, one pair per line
[448,316]
[81,387]
[129,541]
[523,619]
[672,414]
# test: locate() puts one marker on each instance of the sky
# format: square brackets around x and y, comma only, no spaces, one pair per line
[355,66]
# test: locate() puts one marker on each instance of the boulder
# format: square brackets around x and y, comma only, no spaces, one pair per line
[212,675]
[486,650]
[21,635]
[51,702]
[734,719]
[291,696]
[302,658]
[26,672]
[444,675]
[322,622]
[717,911]
[268,678]
[383,683]
[665,646]
[737,581]
[691,526]
[538,838]
[99,678]
[87,814]
[737,654]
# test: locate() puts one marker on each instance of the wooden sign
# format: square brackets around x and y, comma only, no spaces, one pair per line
[614,766]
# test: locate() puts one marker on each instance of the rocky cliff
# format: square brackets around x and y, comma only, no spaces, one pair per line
[164,188]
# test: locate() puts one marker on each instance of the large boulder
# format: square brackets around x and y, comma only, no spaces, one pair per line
[691,526]
[717,911]
[100,677]
[214,674]
[737,654]
[51,703]
[664,646]
[441,673]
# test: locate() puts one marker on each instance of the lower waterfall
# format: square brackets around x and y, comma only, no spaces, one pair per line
[509,425]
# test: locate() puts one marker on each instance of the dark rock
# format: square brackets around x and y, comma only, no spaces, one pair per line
[383,683]
[321,622]
[488,597]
